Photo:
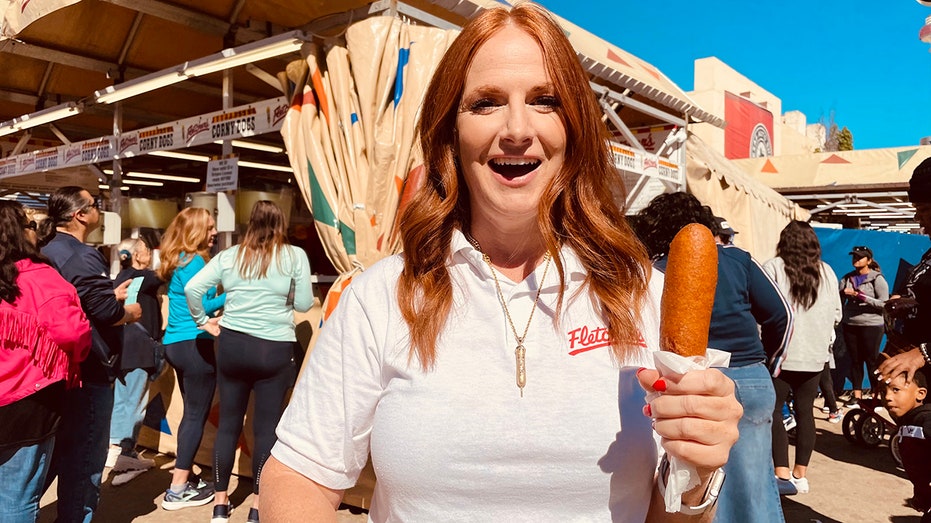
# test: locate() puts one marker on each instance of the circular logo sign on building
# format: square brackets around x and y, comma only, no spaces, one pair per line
[761,145]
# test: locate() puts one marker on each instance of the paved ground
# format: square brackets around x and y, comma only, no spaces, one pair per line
[849,484]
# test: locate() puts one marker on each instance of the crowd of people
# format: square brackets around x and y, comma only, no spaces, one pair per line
[459,366]
[79,349]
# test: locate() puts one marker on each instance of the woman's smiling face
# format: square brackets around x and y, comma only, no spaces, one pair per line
[511,139]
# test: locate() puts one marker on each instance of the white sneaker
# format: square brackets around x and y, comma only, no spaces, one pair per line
[825,409]
[126,463]
[801,484]
[112,453]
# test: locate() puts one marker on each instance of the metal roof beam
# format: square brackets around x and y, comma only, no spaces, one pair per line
[835,196]
[639,106]
[130,38]
[107,68]
[855,199]
[203,23]
[18,48]
[22,98]
[266,77]
[619,124]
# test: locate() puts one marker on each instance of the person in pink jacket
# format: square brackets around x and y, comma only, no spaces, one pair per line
[44,335]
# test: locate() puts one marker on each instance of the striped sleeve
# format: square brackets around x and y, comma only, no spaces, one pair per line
[773,313]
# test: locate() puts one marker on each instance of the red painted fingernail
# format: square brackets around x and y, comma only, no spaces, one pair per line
[641,369]
[659,385]
[647,411]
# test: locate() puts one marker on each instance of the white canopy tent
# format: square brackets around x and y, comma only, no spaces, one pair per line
[753,209]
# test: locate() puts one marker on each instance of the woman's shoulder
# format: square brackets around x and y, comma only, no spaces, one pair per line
[773,262]
[43,277]
[382,274]
[296,251]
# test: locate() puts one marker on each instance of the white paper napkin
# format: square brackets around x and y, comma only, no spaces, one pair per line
[683,476]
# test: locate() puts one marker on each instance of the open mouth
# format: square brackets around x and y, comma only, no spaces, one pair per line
[513,167]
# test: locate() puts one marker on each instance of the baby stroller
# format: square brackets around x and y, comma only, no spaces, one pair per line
[869,424]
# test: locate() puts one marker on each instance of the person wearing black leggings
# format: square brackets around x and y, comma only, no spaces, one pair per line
[185,249]
[194,362]
[247,363]
[864,291]
[265,280]
[802,387]
[808,285]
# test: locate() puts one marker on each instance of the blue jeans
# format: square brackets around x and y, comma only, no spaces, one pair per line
[130,396]
[81,450]
[750,493]
[23,470]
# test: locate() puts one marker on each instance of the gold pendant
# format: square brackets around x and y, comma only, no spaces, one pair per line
[519,353]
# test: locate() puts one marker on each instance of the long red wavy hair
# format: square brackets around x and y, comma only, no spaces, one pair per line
[578,209]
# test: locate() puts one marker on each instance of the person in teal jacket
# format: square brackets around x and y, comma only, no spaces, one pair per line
[266,280]
[185,250]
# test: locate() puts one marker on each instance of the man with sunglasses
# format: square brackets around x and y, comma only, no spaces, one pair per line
[84,433]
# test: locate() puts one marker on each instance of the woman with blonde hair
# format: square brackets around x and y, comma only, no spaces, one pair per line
[492,368]
[185,250]
[265,280]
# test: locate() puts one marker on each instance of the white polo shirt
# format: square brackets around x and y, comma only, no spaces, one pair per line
[459,443]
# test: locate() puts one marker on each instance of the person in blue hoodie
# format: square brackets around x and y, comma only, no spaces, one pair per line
[185,250]
[752,321]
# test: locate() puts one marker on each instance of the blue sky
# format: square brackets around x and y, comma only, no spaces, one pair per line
[860,59]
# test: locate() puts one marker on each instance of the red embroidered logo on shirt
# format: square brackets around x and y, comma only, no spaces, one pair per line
[585,339]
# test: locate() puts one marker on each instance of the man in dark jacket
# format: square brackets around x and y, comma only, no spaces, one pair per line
[83,435]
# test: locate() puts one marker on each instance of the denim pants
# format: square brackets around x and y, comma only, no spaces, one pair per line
[23,470]
[130,396]
[81,450]
[750,493]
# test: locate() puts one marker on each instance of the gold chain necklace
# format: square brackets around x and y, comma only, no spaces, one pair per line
[519,352]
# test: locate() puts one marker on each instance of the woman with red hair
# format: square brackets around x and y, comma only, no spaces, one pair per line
[490,369]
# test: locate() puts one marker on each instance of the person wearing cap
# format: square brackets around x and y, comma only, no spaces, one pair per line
[917,287]
[723,232]
[864,290]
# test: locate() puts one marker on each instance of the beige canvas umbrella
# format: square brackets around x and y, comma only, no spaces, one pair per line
[426,47]
[18,14]
[351,137]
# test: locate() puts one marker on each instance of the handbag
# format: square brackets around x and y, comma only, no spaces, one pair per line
[152,353]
